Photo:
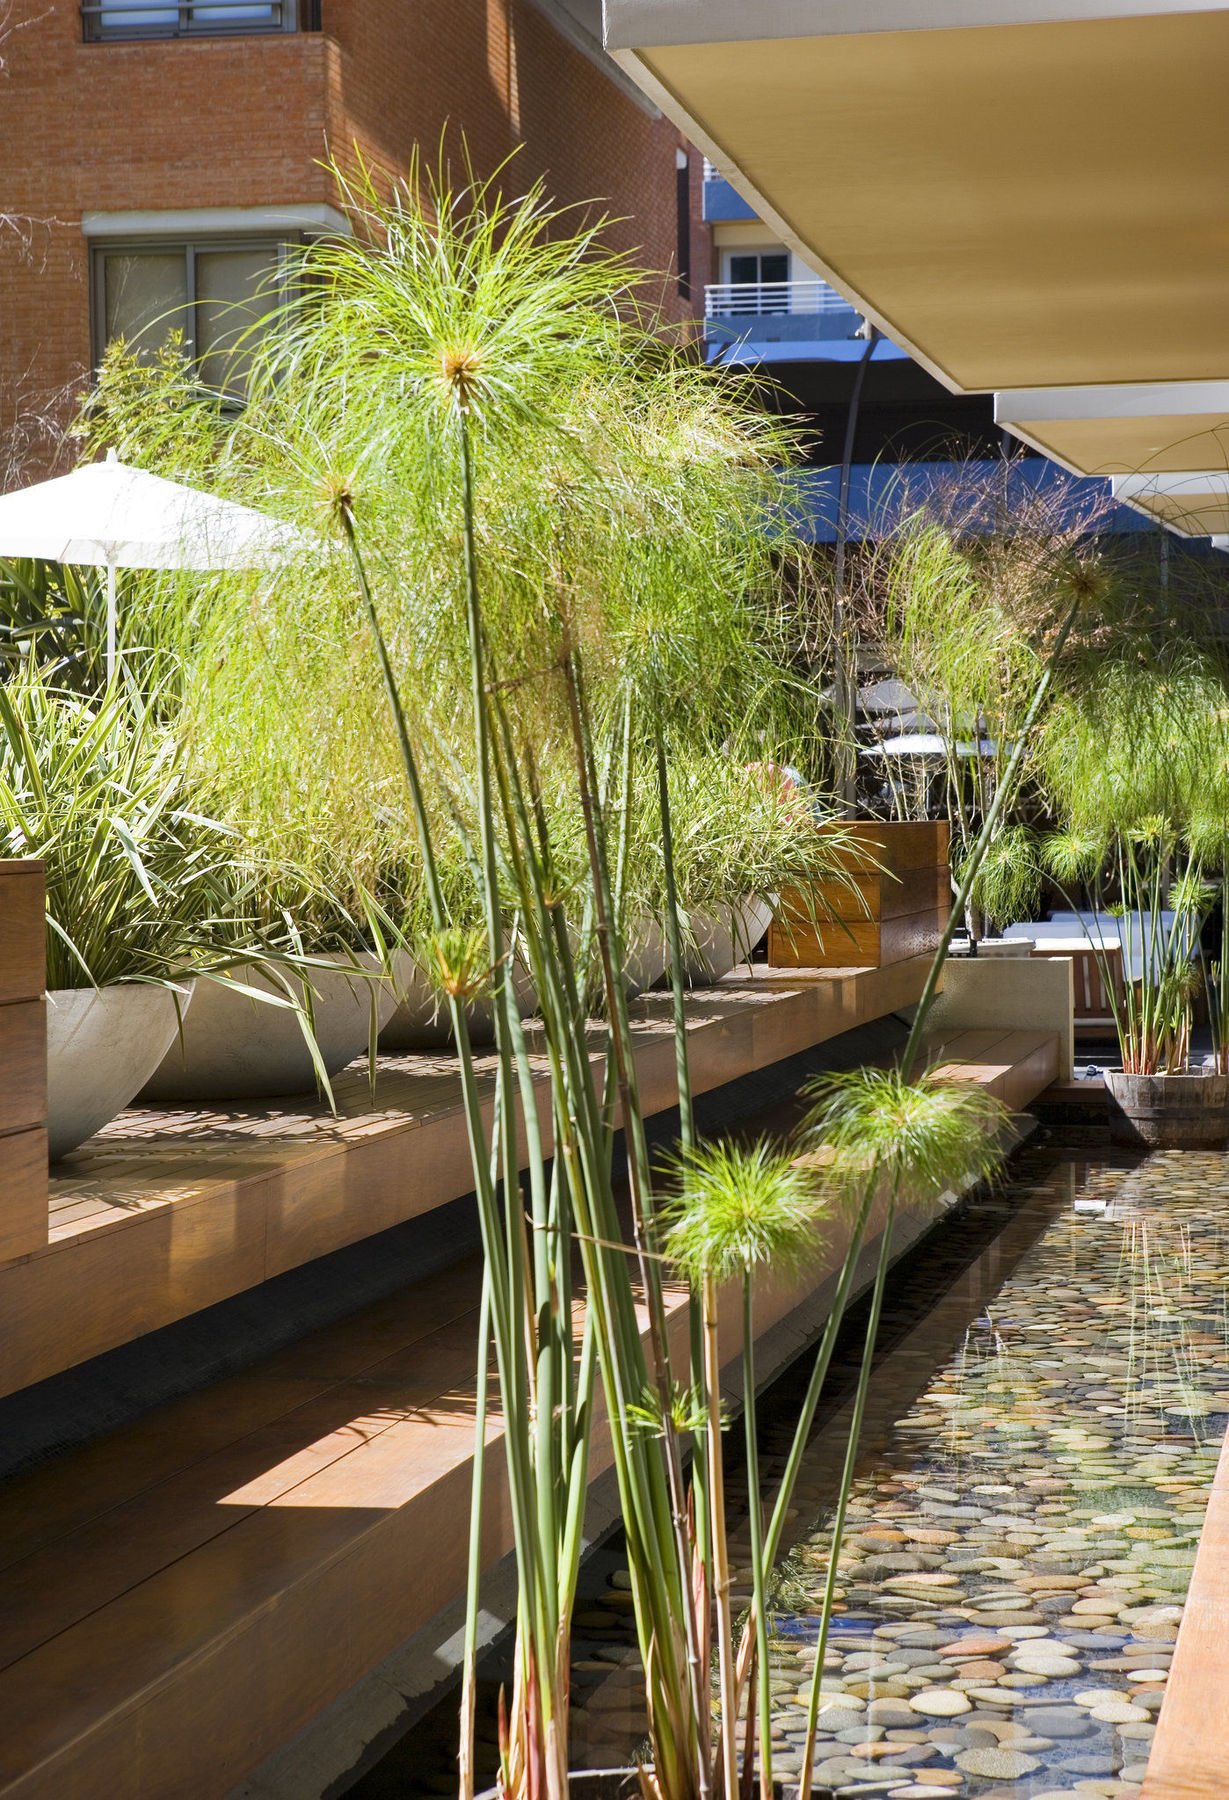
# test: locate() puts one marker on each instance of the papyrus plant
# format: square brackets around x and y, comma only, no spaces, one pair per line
[1135,761]
[521,474]
[555,532]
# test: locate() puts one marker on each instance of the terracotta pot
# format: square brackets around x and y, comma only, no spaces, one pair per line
[103,1044]
[1169,1112]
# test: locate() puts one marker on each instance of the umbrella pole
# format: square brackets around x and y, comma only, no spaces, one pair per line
[111,632]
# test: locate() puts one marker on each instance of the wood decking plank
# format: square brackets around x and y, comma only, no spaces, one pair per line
[199,1587]
[170,1210]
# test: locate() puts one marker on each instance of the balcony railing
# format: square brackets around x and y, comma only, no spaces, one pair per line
[768,299]
[103,20]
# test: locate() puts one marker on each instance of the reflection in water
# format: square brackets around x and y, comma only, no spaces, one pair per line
[1021,1540]
[1051,1391]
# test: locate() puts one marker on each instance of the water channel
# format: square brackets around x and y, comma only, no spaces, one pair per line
[1051,1391]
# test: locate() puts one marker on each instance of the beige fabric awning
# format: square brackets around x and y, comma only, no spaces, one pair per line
[1024,196]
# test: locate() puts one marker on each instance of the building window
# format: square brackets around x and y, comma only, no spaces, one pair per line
[682,209]
[214,294]
[765,275]
[107,20]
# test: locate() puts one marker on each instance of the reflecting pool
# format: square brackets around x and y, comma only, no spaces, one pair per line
[1050,1394]
[1021,1535]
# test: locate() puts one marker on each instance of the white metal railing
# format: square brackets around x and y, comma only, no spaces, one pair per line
[759,299]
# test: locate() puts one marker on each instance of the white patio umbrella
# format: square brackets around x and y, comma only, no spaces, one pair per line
[929,743]
[112,516]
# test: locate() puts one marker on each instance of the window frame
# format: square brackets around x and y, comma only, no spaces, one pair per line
[291,16]
[190,247]
[731,251]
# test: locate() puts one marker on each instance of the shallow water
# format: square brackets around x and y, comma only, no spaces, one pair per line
[1038,1452]
[1019,1543]
[1050,1393]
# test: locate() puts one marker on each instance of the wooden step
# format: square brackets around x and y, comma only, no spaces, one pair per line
[1015,1066]
[171,1209]
[180,1598]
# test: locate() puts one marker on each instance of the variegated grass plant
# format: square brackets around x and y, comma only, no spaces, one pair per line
[141,884]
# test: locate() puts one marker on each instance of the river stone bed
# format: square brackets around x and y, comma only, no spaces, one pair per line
[1020,1540]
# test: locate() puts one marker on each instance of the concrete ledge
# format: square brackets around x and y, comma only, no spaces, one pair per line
[1017,994]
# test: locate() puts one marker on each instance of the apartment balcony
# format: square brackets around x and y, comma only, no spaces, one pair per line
[722,205]
[780,321]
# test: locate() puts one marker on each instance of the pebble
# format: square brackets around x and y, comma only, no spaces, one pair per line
[890,1712]
[1019,1541]
[1087,1764]
[997,1765]
[1038,1662]
[1059,1722]
[1119,1712]
[942,1703]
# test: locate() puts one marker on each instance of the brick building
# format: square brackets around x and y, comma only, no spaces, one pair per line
[155,154]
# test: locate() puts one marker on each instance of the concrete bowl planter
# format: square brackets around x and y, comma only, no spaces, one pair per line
[240,1048]
[420,1021]
[722,936]
[1011,948]
[1169,1112]
[648,954]
[103,1044]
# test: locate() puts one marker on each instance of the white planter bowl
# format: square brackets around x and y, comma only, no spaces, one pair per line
[722,936]
[420,1019]
[103,1044]
[236,1048]
[648,954]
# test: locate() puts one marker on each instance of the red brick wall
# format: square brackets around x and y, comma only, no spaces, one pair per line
[245,122]
[108,127]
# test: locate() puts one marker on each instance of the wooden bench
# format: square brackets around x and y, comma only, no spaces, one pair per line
[181,1597]
[1014,1066]
[23,1058]
[173,1208]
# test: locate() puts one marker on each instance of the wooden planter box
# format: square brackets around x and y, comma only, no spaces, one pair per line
[895,905]
[23,1059]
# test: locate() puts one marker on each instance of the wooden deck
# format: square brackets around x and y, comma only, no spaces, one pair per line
[1014,1066]
[180,1598]
[169,1210]
[1190,1752]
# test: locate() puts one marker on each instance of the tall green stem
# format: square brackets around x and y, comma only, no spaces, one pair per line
[674,938]
[755,1523]
[469,1665]
[687,1138]
[726,1670]
[846,1487]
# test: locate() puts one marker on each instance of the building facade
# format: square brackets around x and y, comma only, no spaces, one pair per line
[157,154]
